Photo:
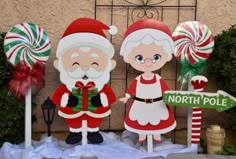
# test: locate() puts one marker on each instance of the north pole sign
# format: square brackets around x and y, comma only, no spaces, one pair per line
[221,100]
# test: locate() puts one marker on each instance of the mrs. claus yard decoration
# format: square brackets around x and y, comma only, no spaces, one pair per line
[147,46]
[84,60]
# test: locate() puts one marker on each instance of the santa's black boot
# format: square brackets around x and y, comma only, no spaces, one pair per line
[74,138]
[95,137]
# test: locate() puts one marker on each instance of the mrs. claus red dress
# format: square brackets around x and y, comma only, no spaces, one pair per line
[153,117]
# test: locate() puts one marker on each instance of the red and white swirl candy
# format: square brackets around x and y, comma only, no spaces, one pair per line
[194,42]
[27,42]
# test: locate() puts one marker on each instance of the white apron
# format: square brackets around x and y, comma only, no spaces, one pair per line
[146,113]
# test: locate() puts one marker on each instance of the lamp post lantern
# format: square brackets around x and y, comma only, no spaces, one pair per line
[48,108]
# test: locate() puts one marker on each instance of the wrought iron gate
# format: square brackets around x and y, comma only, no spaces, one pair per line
[125,12]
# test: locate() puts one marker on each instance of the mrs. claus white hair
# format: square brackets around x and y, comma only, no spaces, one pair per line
[147,36]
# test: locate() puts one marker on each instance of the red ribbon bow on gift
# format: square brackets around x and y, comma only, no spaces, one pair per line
[25,77]
[85,88]
[79,85]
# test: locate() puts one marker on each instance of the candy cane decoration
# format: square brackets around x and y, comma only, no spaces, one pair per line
[198,83]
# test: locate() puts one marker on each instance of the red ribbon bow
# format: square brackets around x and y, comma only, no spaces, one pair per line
[89,86]
[25,77]
[85,88]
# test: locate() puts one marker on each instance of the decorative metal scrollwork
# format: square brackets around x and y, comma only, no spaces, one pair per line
[145,2]
[145,9]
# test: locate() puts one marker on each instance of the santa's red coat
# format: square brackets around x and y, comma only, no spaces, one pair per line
[74,118]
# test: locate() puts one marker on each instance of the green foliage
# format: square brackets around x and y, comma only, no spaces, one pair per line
[228,149]
[12,118]
[11,110]
[203,144]
[231,114]
[6,69]
[221,66]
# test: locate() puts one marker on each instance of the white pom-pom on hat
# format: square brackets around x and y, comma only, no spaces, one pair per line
[113,30]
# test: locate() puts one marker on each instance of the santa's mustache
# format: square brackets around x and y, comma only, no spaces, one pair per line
[78,73]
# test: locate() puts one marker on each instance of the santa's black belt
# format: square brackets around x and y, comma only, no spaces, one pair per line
[147,100]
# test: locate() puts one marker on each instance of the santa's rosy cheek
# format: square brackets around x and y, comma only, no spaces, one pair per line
[97,68]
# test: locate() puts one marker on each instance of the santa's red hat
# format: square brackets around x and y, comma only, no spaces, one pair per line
[155,29]
[86,32]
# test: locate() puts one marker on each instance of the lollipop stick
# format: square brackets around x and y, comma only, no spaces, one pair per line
[28,113]
[189,120]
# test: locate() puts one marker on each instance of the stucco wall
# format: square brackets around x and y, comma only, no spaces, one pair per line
[55,15]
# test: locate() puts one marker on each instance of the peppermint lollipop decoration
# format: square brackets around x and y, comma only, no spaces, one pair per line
[194,43]
[27,46]
[27,42]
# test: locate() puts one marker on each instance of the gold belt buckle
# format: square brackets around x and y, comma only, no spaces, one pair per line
[148,100]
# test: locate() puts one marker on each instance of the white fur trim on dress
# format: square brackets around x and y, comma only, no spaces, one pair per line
[77,130]
[104,100]
[76,115]
[158,77]
[77,40]
[64,99]
[127,95]
[161,131]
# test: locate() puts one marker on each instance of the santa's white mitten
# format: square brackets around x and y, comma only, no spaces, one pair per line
[104,99]
[64,99]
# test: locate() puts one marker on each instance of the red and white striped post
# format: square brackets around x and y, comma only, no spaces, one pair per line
[198,82]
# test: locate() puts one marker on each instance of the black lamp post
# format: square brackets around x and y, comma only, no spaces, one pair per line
[48,108]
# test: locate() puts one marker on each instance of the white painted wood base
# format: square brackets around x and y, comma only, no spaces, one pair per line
[84,132]
[150,143]
[28,123]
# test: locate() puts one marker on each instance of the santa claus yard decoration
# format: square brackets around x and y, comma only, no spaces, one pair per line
[84,60]
[147,46]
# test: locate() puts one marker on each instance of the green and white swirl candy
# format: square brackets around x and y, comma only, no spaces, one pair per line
[27,42]
[194,42]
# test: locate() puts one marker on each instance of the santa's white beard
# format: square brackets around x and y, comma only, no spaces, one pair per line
[70,78]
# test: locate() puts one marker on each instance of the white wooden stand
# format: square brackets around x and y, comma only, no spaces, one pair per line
[150,143]
[28,123]
[84,132]
[189,121]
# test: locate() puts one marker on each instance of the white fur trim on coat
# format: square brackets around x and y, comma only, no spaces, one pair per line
[76,115]
[77,130]
[77,40]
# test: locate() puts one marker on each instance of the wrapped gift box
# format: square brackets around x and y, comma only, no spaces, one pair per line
[79,94]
